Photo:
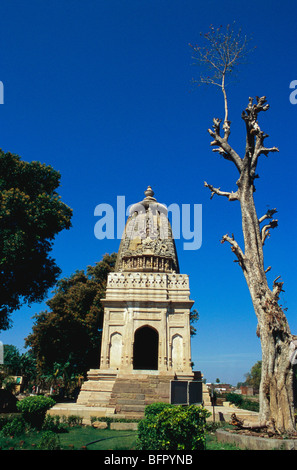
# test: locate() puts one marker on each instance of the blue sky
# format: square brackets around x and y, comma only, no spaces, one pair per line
[101,90]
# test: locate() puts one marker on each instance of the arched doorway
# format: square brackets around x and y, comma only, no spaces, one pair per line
[145,350]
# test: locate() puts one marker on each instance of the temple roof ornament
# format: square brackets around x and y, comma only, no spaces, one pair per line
[147,243]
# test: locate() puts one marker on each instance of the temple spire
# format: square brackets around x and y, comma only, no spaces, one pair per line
[147,243]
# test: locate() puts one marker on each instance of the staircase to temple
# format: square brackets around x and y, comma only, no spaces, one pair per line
[126,395]
[131,394]
[96,391]
[107,393]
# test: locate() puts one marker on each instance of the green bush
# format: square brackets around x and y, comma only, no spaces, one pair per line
[53,423]
[234,398]
[173,428]
[250,405]
[34,409]
[74,420]
[156,408]
[241,402]
[49,441]
[15,427]
[3,421]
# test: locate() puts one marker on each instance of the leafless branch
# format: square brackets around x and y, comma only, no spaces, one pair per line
[277,288]
[265,230]
[255,136]
[236,249]
[269,214]
[260,148]
[230,195]
[225,149]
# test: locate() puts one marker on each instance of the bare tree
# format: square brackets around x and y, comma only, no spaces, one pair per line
[222,52]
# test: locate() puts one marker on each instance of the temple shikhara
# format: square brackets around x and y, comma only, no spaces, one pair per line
[146,348]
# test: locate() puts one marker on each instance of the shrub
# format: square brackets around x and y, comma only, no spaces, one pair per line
[173,428]
[234,398]
[53,423]
[74,420]
[250,405]
[15,427]
[34,409]
[49,441]
[156,408]
[241,402]
[3,421]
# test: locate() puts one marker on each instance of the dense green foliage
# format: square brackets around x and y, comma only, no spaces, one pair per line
[194,317]
[253,378]
[169,427]
[16,363]
[31,215]
[156,408]
[49,441]
[55,424]
[241,402]
[34,408]
[66,340]
[14,427]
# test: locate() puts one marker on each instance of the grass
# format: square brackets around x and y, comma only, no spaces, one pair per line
[77,438]
[211,440]
[107,439]
[213,444]
[86,437]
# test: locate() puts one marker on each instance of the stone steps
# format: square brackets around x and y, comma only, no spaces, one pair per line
[97,389]
[127,395]
[132,408]
[131,398]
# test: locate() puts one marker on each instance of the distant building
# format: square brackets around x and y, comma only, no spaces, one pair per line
[246,390]
[221,388]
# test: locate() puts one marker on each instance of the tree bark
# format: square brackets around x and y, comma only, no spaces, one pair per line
[277,342]
[276,389]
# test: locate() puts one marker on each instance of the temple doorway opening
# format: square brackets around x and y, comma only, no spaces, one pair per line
[145,350]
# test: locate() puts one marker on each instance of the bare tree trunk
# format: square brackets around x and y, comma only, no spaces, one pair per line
[276,389]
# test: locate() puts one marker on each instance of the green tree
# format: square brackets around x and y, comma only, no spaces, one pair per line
[194,317]
[16,363]
[12,360]
[253,378]
[31,215]
[70,333]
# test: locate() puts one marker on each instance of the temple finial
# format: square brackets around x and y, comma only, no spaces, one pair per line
[149,192]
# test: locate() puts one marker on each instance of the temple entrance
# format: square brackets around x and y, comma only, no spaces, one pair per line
[145,350]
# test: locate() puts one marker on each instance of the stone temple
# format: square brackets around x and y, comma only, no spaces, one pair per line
[146,347]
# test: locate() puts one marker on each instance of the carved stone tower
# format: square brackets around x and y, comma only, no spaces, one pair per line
[146,330]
